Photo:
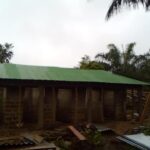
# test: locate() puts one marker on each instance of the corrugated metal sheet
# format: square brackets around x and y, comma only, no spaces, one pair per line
[139,140]
[24,72]
[15,142]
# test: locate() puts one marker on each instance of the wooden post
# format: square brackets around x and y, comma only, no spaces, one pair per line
[116,101]
[4,103]
[102,104]
[41,107]
[5,94]
[76,96]
[54,99]
[140,100]
[89,104]
[124,103]
[86,104]
[133,106]
[20,109]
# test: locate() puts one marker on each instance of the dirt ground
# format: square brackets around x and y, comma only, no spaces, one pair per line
[121,127]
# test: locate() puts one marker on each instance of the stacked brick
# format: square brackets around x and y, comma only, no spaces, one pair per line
[12,114]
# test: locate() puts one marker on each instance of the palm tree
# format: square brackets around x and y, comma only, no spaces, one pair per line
[120,62]
[5,53]
[143,66]
[112,58]
[124,62]
[117,4]
[129,59]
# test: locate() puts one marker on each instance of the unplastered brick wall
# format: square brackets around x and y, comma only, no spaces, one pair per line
[1,105]
[11,107]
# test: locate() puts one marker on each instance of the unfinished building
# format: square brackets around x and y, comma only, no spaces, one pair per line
[41,96]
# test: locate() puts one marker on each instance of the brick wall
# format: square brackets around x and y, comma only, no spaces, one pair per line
[12,112]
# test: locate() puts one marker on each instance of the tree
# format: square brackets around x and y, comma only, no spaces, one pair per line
[117,5]
[126,62]
[129,58]
[86,63]
[112,58]
[5,53]
[119,61]
[143,66]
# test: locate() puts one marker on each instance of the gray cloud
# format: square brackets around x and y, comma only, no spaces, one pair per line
[59,33]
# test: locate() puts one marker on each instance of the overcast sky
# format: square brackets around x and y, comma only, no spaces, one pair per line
[60,32]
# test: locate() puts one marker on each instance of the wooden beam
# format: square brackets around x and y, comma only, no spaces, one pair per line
[79,136]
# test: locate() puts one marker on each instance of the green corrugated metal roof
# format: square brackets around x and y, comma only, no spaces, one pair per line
[24,72]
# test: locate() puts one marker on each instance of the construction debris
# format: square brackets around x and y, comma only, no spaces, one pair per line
[45,146]
[77,133]
[82,136]
[139,141]
[26,142]
[37,139]
[14,142]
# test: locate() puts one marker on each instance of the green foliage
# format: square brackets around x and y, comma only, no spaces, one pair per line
[5,53]
[131,148]
[117,4]
[62,144]
[86,63]
[124,62]
[147,131]
[95,138]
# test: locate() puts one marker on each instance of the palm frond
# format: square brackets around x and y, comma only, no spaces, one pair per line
[116,6]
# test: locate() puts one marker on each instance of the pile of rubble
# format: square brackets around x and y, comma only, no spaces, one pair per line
[84,136]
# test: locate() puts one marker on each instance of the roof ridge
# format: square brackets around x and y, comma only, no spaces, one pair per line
[26,65]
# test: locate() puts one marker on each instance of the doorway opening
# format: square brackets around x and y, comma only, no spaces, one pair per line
[64,106]
[30,106]
[109,105]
